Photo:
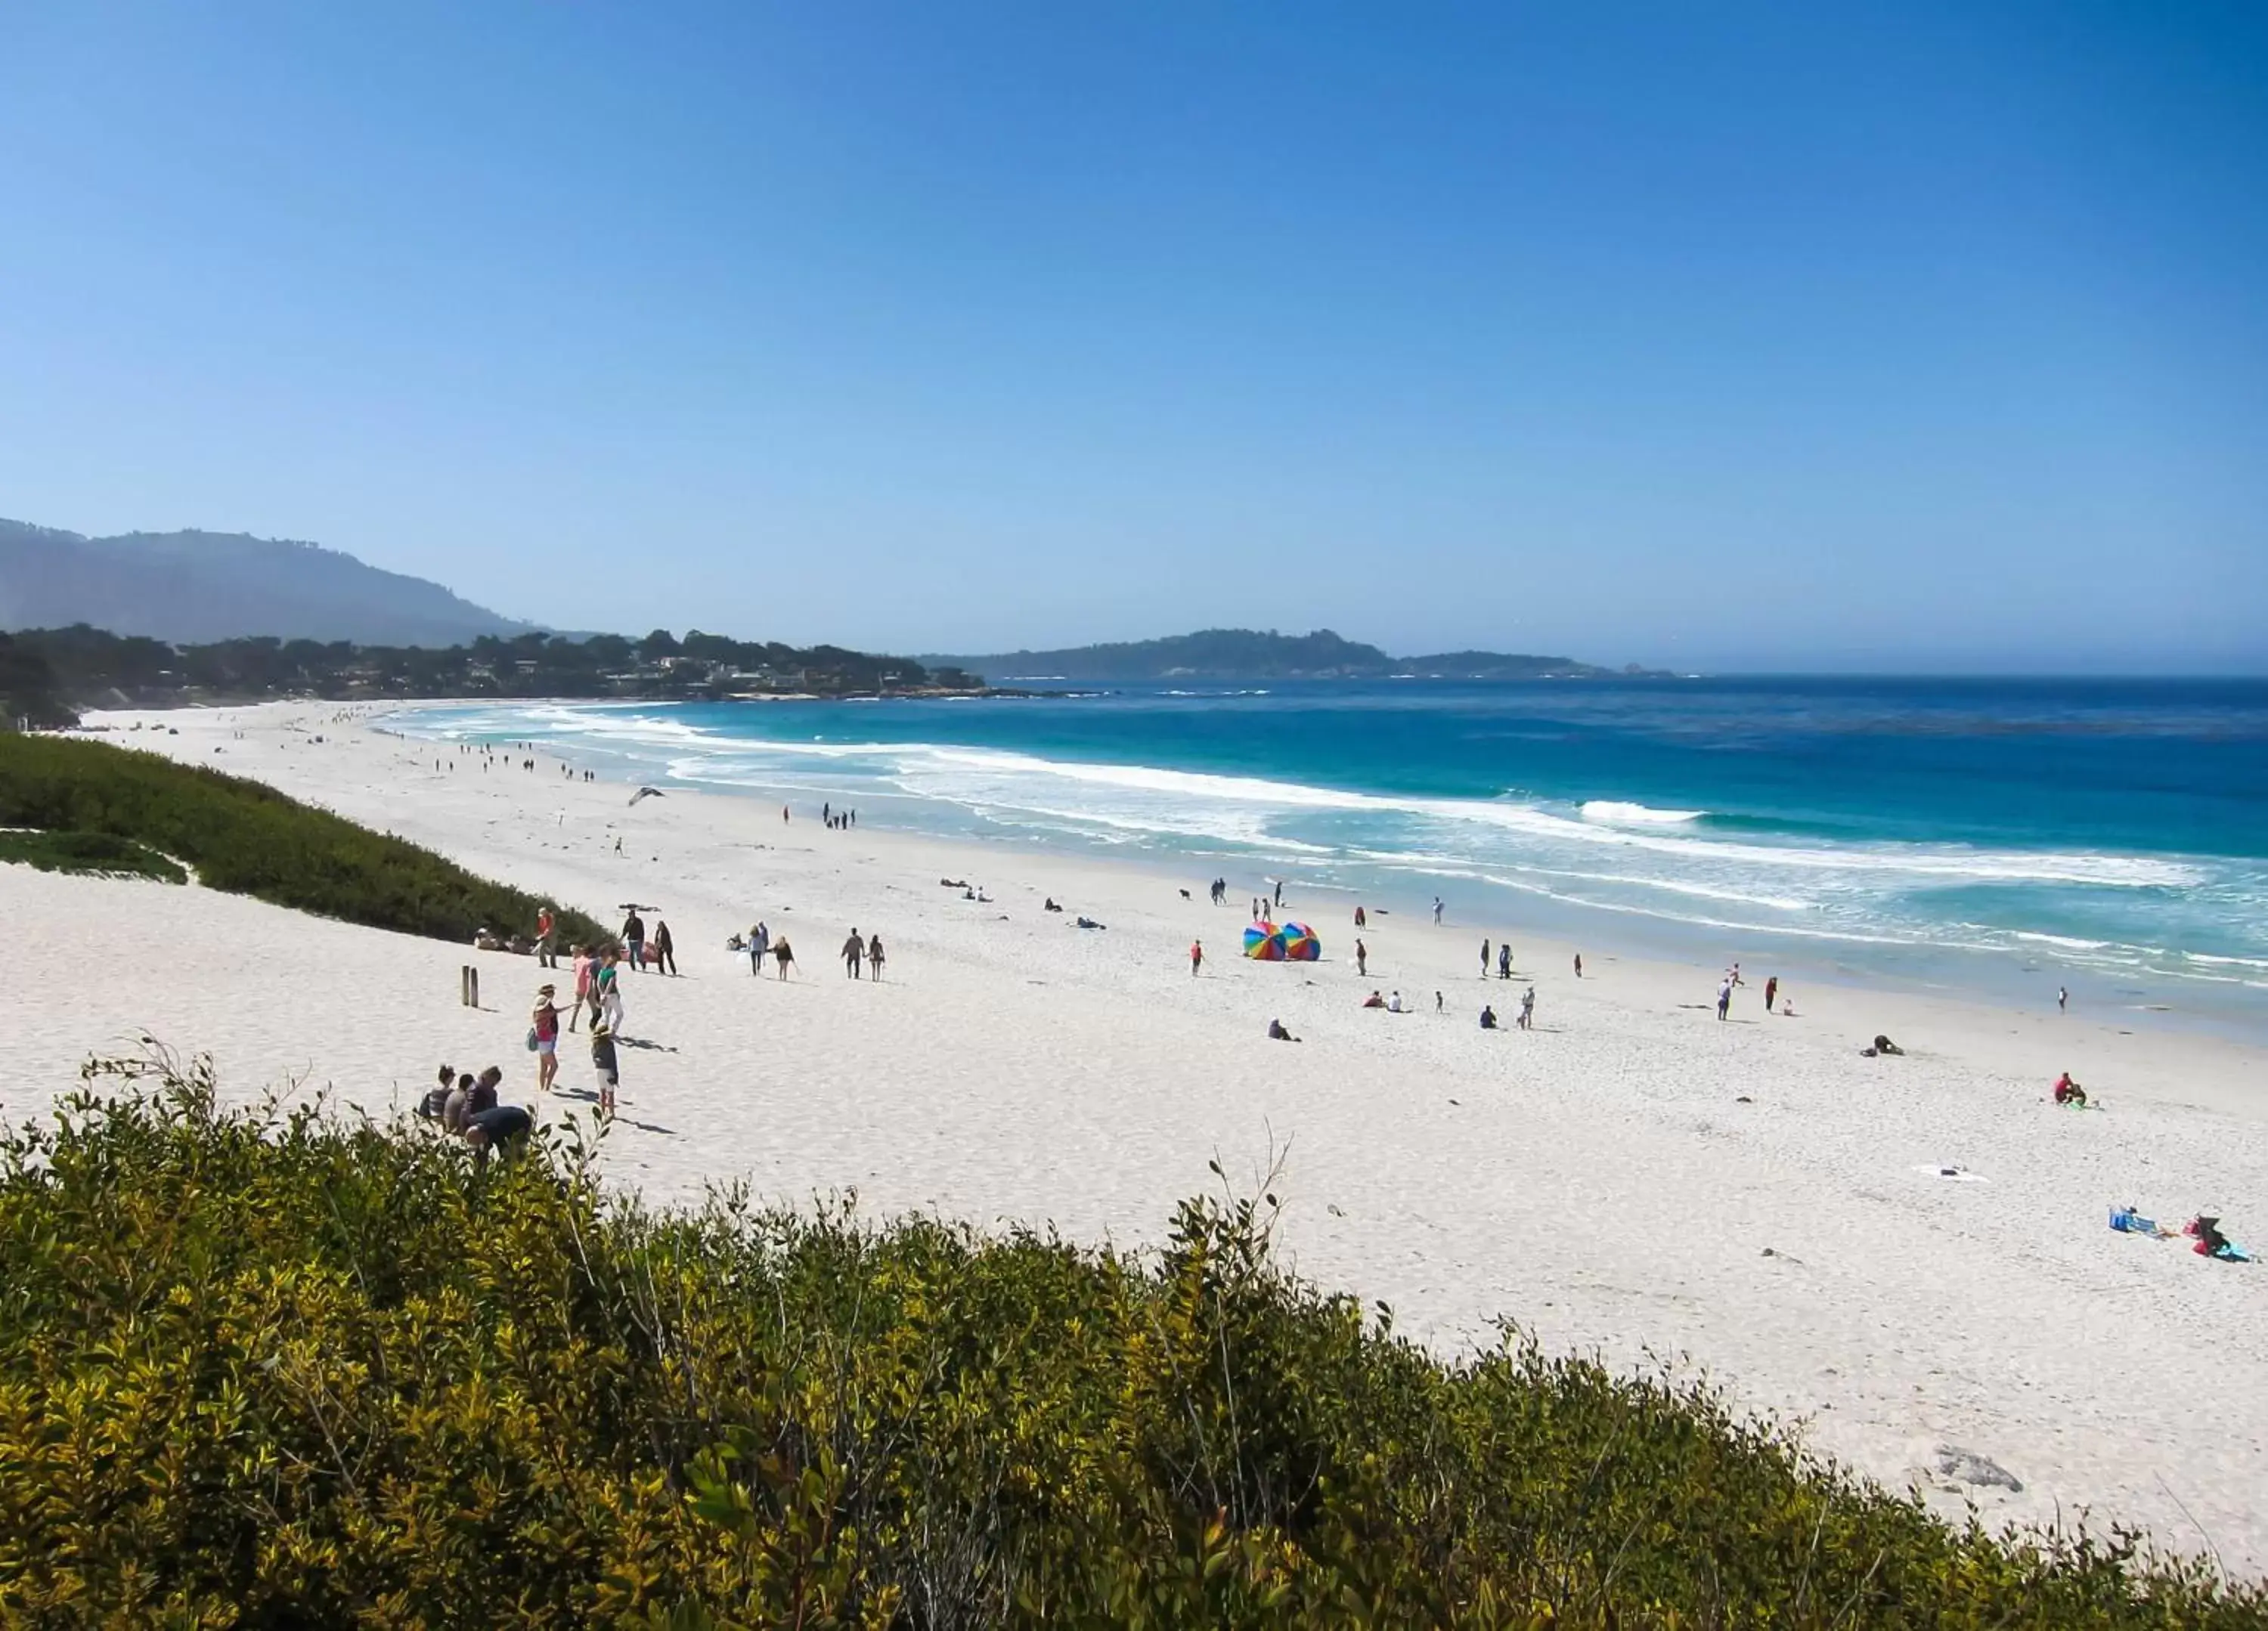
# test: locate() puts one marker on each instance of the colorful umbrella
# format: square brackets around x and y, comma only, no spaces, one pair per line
[1282,942]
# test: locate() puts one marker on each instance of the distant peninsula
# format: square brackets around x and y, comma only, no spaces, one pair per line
[1244,654]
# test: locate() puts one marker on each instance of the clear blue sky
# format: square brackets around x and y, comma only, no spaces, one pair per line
[1728,336]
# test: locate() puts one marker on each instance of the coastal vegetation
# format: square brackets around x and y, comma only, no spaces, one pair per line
[248,839]
[267,1367]
[57,669]
[100,855]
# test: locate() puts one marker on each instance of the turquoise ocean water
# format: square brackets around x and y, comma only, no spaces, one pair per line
[1997,836]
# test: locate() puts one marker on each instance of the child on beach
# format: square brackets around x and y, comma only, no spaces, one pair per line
[582,988]
[609,1071]
[543,1037]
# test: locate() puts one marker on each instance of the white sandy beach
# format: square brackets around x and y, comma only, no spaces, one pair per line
[1753,1200]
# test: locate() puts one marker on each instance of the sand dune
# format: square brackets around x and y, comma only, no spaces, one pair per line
[1752,1199]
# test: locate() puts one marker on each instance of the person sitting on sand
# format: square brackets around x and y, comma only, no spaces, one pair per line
[1394,1004]
[1051,906]
[2070,1092]
[438,1097]
[1373,1001]
[1888,1048]
[470,1097]
[1278,1034]
[1488,1017]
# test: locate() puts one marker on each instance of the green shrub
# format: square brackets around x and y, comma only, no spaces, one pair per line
[265,1369]
[99,853]
[248,839]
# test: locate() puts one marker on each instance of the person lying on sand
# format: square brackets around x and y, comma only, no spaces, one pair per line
[1373,1001]
[2211,1242]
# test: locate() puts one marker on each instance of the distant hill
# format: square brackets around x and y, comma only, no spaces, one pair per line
[1226,654]
[197,587]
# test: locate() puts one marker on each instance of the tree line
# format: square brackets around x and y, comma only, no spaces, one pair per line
[47,675]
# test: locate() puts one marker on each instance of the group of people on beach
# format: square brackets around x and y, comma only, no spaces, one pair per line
[1731,979]
[466,1106]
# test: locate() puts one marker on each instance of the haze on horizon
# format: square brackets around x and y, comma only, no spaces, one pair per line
[1923,336]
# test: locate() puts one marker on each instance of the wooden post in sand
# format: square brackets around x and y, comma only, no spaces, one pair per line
[468,986]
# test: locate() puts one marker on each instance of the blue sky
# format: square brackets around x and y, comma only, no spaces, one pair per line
[1743,335]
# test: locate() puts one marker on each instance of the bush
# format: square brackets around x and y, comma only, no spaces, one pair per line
[97,854]
[250,840]
[265,1369]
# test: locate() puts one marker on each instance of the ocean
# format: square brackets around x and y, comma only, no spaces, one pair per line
[2000,837]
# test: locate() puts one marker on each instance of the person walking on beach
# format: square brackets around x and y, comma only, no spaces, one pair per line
[665,952]
[1437,911]
[634,938]
[2063,1000]
[608,1069]
[1360,921]
[1484,957]
[1771,990]
[760,942]
[543,1033]
[1279,891]
[1528,1009]
[1725,996]
[854,953]
[607,992]
[1579,964]
[1361,959]
[873,956]
[783,954]
[1197,957]
[1503,961]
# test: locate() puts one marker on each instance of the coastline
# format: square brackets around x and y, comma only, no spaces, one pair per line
[1600,1180]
